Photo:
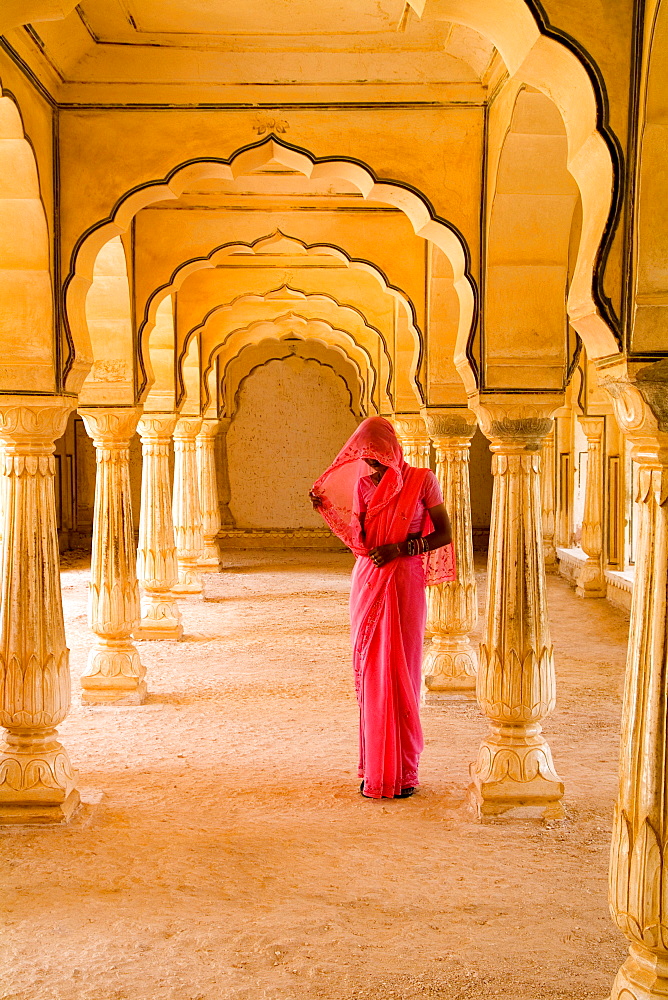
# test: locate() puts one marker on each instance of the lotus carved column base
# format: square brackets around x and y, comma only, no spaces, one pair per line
[36,779]
[160,618]
[591,582]
[643,976]
[190,580]
[115,674]
[514,776]
[450,668]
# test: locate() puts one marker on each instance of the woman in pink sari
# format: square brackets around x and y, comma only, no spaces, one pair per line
[392,517]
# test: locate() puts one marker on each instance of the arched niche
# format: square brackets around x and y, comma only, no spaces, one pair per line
[530,221]
[292,416]
[26,319]
[111,379]
[246,161]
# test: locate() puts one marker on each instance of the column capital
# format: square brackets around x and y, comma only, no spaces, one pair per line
[153,426]
[187,428]
[593,426]
[209,428]
[640,402]
[450,422]
[516,423]
[109,425]
[409,425]
[32,423]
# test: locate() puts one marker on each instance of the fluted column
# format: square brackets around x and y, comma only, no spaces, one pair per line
[451,662]
[548,498]
[37,783]
[514,774]
[416,446]
[157,568]
[115,674]
[639,856]
[222,474]
[186,506]
[208,495]
[591,581]
[413,437]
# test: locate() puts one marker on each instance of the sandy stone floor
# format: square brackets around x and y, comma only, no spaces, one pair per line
[229,854]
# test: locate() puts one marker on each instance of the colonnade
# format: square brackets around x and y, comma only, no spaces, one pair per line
[514,773]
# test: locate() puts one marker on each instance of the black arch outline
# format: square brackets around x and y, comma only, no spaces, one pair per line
[262,364]
[343,305]
[315,160]
[596,78]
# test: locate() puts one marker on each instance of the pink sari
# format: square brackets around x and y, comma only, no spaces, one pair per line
[387,603]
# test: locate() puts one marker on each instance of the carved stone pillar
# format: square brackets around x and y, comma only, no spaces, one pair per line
[115,674]
[563,434]
[222,474]
[413,438]
[548,496]
[514,774]
[451,662]
[208,495]
[156,556]
[591,581]
[37,783]
[186,506]
[639,857]
[416,446]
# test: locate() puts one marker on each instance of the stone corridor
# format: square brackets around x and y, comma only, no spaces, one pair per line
[224,852]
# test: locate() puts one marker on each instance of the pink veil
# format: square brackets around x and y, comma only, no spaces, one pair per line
[374,438]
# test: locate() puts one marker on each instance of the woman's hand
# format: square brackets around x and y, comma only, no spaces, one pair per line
[315,500]
[384,554]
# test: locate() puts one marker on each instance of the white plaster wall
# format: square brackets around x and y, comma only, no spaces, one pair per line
[292,419]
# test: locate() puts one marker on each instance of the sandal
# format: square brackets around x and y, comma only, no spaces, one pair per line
[405,793]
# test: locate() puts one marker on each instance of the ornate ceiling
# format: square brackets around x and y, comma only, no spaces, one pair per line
[194,51]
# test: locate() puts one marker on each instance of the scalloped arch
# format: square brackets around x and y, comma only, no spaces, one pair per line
[265,245]
[348,320]
[251,355]
[247,160]
[537,54]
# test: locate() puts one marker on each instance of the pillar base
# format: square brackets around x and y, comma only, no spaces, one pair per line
[190,580]
[160,618]
[37,814]
[591,582]
[159,630]
[114,676]
[514,778]
[551,561]
[643,976]
[209,564]
[450,667]
[37,780]
[115,697]
[209,561]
